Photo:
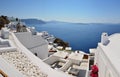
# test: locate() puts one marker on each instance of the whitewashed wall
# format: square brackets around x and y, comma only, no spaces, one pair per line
[66,66]
[50,60]
[34,43]
[106,69]
[43,66]
[41,51]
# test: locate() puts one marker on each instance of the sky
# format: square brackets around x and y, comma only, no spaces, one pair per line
[82,11]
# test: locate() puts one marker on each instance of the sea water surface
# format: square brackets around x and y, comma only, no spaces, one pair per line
[79,36]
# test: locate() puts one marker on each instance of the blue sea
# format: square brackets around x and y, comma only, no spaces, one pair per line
[79,36]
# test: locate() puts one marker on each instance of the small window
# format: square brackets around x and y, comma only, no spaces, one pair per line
[35,54]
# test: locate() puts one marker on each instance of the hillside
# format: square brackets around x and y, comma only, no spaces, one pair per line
[33,21]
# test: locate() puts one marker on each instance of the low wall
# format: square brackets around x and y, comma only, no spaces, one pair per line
[7,49]
[50,60]
[8,43]
[66,66]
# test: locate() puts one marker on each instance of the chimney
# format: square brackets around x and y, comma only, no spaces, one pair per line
[104,38]
[5,33]
[32,29]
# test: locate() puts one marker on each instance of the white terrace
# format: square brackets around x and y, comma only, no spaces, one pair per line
[73,64]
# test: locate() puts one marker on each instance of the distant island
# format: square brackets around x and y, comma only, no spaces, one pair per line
[39,21]
[33,21]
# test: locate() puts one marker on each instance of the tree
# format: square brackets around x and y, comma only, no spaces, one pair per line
[3,20]
[61,43]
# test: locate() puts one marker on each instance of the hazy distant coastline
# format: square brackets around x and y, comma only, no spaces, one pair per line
[33,21]
[39,21]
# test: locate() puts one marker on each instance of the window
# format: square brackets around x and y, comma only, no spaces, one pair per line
[35,54]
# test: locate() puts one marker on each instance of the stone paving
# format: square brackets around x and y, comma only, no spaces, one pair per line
[23,64]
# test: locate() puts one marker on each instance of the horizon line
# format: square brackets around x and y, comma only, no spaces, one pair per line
[53,20]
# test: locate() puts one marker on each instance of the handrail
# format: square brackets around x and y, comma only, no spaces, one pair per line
[3,74]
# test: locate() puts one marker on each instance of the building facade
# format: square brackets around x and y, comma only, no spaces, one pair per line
[107,56]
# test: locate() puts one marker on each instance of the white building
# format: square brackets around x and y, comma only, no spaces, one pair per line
[17,61]
[73,64]
[107,55]
[35,43]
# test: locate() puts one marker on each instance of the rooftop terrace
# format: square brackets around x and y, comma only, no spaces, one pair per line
[74,64]
[22,63]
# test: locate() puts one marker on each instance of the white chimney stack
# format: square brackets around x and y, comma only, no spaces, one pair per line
[5,33]
[104,39]
[32,29]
